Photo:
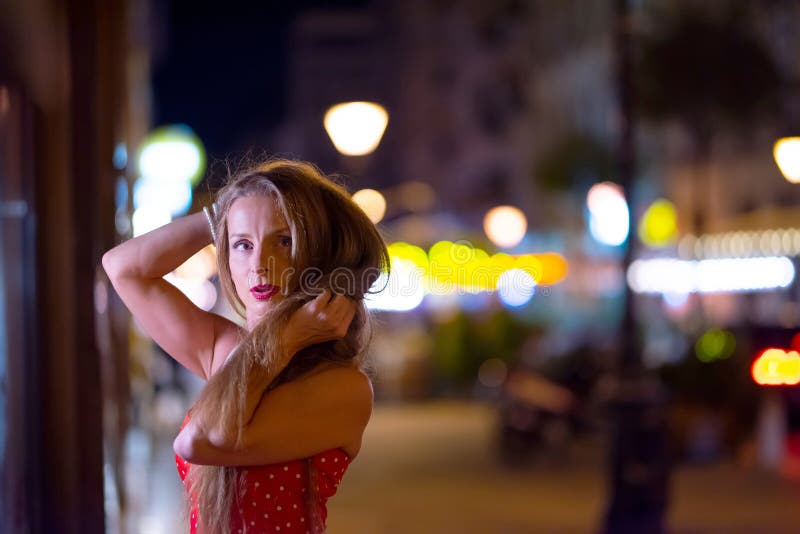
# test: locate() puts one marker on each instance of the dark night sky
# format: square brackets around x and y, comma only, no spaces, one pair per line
[220,66]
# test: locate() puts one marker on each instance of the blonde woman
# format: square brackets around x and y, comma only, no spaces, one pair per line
[286,399]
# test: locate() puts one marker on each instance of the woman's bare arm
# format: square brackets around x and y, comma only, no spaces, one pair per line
[298,419]
[319,320]
[330,402]
[136,269]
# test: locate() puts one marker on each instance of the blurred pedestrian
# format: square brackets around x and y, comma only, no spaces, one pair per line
[286,400]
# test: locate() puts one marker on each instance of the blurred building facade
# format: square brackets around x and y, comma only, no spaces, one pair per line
[73,88]
[514,102]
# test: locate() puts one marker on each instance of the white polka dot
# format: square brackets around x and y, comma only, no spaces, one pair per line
[252,523]
[302,519]
[285,468]
[277,528]
[279,508]
[281,488]
[266,516]
[335,459]
[257,484]
[271,475]
[267,495]
[254,503]
[323,460]
[288,524]
[294,506]
[297,475]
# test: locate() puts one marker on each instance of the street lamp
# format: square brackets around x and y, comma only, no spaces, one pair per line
[356,128]
[787,155]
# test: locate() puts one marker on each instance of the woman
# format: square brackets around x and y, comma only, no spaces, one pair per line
[286,400]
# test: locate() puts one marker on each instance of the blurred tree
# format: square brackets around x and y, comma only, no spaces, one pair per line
[700,65]
[721,387]
[463,343]
[574,160]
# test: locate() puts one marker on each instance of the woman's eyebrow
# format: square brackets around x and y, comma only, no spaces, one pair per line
[284,230]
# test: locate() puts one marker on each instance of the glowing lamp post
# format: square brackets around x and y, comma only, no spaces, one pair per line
[787,155]
[356,128]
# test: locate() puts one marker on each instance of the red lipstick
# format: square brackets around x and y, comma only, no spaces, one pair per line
[264,291]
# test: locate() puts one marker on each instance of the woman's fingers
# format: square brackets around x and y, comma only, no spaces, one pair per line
[336,313]
[327,316]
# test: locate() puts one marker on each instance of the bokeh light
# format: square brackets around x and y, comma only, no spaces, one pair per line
[787,155]
[372,203]
[710,276]
[715,344]
[460,270]
[173,153]
[516,288]
[148,218]
[201,292]
[554,268]
[776,367]
[659,224]
[505,226]
[356,128]
[402,290]
[416,196]
[173,196]
[608,213]
[201,266]
[493,372]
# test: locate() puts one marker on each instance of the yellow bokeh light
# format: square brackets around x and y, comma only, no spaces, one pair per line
[554,268]
[531,265]
[659,224]
[777,367]
[449,268]
[372,203]
[410,253]
[715,344]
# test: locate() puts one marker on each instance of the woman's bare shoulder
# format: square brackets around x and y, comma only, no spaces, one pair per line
[334,372]
[337,381]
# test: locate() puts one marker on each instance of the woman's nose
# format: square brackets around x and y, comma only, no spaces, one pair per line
[261,262]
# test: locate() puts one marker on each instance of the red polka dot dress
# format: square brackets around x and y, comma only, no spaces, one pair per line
[274,496]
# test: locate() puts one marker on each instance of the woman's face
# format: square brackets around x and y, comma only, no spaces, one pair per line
[260,253]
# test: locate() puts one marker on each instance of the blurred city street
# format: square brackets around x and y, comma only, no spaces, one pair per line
[433,468]
[571,231]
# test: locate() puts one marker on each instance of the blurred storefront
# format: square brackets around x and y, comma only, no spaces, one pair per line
[73,81]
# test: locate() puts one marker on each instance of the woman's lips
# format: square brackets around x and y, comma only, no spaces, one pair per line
[263,292]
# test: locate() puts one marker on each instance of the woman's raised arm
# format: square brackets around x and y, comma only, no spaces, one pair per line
[136,269]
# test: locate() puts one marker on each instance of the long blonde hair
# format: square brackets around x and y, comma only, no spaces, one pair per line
[334,245]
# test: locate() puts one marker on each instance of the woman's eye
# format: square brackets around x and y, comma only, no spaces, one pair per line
[242,245]
[286,241]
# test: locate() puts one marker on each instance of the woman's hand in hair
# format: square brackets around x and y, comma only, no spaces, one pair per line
[325,318]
